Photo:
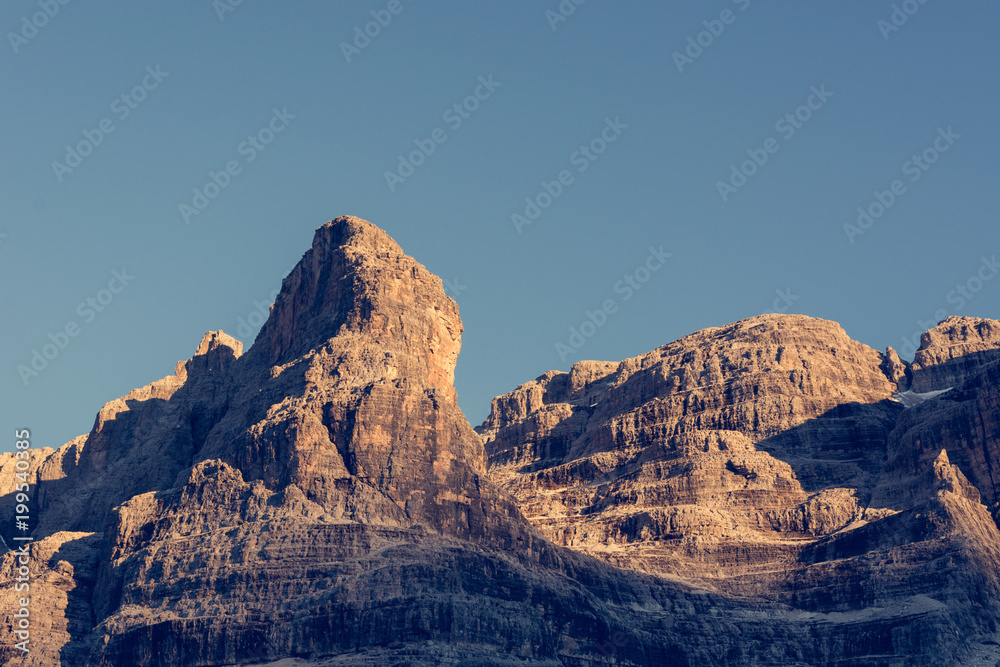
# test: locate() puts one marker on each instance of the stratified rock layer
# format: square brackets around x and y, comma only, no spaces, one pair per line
[954,350]
[752,495]
[711,458]
[769,458]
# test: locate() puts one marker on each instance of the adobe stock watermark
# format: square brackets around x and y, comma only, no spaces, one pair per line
[246,326]
[21,621]
[562,12]
[363,36]
[899,16]
[223,7]
[249,149]
[581,158]
[713,29]
[611,646]
[786,126]
[38,20]
[915,167]
[122,106]
[957,298]
[627,286]
[784,300]
[455,116]
[87,310]
[453,288]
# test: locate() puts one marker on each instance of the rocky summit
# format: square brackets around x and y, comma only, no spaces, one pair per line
[768,492]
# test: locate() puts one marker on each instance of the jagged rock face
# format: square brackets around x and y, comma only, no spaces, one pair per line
[324,503]
[953,350]
[321,499]
[964,421]
[139,443]
[356,285]
[61,585]
[221,571]
[768,458]
[961,354]
[348,392]
[896,369]
[709,458]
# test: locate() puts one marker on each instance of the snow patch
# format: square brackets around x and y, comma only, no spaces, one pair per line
[911,398]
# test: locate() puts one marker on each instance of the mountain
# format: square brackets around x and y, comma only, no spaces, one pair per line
[758,493]
[774,458]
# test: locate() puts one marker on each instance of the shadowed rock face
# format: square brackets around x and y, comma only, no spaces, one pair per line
[139,443]
[750,494]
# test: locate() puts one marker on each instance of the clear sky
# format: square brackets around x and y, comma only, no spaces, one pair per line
[115,113]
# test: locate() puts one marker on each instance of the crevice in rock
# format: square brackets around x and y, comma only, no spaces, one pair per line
[340,424]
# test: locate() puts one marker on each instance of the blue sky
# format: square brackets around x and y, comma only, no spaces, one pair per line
[631,113]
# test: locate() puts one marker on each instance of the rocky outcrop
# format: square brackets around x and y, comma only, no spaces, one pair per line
[749,494]
[896,370]
[710,458]
[964,421]
[953,351]
[139,443]
[59,587]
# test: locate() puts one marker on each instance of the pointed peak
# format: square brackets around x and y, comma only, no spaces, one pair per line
[216,351]
[951,479]
[355,287]
[213,340]
[348,230]
[942,459]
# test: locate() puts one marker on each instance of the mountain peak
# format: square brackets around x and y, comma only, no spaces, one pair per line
[355,282]
[214,340]
[349,230]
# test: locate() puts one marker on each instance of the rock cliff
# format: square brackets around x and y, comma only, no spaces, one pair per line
[775,459]
[953,350]
[750,494]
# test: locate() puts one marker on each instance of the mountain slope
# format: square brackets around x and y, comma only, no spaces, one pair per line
[322,499]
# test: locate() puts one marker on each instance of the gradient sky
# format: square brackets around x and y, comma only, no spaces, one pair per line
[220,80]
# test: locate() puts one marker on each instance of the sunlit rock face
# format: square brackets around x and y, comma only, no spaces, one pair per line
[712,458]
[953,351]
[773,458]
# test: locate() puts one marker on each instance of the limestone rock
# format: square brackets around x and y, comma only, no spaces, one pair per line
[769,458]
[953,350]
[709,458]
[749,494]
[896,369]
